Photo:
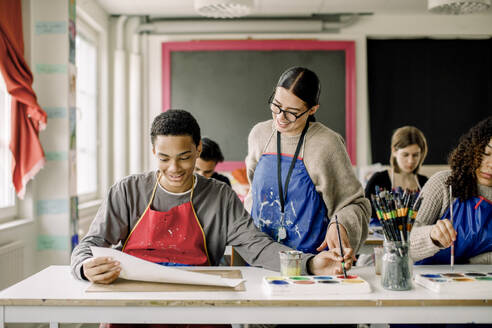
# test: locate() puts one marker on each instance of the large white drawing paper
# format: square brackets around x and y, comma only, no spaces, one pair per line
[134,268]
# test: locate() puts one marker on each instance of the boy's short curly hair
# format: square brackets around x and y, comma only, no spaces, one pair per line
[175,122]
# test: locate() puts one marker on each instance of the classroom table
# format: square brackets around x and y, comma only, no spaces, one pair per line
[54,296]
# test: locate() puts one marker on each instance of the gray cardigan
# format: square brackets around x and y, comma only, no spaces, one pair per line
[220,212]
[435,203]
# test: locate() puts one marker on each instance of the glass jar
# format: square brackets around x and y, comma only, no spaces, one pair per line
[397,268]
[290,263]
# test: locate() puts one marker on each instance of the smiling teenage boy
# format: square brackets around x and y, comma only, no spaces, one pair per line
[172,216]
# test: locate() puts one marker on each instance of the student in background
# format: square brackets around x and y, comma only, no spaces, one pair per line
[146,214]
[209,157]
[470,179]
[408,151]
[313,160]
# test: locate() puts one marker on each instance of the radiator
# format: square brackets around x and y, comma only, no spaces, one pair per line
[11,263]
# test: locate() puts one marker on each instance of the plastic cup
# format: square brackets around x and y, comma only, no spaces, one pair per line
[290,263]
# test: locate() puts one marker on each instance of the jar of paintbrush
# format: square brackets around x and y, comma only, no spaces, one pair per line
[396,210]
[396,271]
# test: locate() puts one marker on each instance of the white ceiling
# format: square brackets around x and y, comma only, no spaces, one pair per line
[184,8]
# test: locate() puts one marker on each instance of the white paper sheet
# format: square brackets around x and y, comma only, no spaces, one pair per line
[134,268]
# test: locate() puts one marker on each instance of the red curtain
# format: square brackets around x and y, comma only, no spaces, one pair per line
[27,116]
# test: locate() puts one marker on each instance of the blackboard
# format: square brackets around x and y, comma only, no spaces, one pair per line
[443,87]
[226,85]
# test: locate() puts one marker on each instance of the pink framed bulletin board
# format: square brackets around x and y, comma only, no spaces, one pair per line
[268,45]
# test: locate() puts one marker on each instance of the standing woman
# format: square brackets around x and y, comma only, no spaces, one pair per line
[300,173]
[408,151]
[470,183]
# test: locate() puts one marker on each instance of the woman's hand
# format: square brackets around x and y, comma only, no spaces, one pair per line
[443,233]
[330,262]
[331,238]
[101,270]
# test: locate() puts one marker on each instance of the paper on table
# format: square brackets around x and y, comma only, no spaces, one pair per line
[133,268]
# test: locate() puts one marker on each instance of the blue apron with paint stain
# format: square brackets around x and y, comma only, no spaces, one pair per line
[473,224]
[305,212]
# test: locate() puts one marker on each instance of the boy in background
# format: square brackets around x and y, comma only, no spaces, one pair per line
[208,160]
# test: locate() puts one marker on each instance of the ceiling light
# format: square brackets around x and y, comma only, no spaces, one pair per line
[224,8]
[458,7]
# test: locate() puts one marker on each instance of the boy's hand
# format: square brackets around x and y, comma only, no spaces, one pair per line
[330,262]
[101,270]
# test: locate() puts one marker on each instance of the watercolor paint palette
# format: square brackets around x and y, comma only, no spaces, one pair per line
[315,285]
[456,281]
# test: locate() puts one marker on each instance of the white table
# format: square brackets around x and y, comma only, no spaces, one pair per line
[53,295]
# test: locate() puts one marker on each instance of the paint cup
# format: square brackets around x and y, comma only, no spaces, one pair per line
[396,269]
[378,259]
[290,263]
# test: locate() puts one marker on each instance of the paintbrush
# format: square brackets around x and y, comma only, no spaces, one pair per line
[341,248]
[380,215]
[451,219]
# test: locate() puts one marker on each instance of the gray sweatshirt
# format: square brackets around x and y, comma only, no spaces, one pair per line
[220,212]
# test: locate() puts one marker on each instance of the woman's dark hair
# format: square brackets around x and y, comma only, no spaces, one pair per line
[211,151]
[303,83]
[404,137]
[175,122]
[467,157]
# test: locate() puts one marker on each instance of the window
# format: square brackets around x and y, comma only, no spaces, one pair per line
[7,194]
[87,113]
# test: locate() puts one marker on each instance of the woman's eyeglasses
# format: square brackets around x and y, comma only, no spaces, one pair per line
[289,116]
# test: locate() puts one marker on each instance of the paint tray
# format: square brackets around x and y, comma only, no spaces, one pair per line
[456,282]
[315,285]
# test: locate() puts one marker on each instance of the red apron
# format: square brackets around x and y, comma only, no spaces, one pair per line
[172,237]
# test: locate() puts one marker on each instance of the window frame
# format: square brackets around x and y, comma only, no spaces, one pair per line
[89,202]
[8,213]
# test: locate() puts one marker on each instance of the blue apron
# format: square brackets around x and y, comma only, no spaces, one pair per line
[473,224]
[304,218]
